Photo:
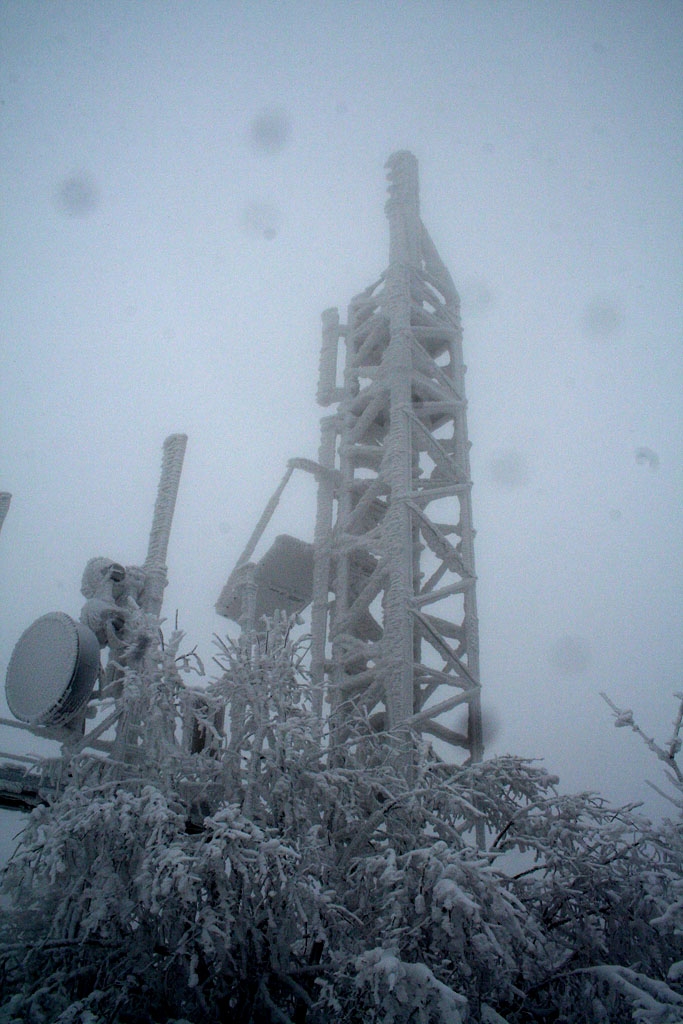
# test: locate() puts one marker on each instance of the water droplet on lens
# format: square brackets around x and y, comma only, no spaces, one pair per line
[77,196]
[601,318]
[647,457]
[570,655]
[508,470]
[262,219]
[269,131]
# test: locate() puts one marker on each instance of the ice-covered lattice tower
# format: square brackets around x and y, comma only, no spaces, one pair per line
[394,614]
[390,573]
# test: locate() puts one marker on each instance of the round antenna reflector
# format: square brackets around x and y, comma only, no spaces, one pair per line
[52,671]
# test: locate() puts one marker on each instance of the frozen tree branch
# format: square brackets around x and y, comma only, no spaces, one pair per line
[667,754]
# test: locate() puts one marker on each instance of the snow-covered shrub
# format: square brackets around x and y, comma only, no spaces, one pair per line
[274,876]
[406,992]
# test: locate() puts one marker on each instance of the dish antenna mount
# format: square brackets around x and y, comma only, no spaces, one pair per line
[55,666]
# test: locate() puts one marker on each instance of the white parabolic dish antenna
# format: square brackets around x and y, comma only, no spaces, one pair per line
[52,671]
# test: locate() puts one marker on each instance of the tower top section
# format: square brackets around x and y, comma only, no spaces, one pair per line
[403,181]
[403,209]
[410,244]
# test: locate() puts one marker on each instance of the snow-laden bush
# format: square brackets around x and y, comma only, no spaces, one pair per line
[277,877]
[399,991]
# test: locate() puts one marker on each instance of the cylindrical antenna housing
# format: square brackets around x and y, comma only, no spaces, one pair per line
[155,563]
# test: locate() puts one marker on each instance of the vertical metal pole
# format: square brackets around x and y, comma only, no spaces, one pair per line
[167,492]
[265,518]
[130,726]
[322,541]
[322,548]
[327,377]
[402,210]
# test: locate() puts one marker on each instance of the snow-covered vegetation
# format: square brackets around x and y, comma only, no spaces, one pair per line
[277,876]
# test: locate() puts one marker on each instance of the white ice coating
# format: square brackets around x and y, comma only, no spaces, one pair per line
[155,563]
[328,391]
[389,577]
[111,590]
[394,405]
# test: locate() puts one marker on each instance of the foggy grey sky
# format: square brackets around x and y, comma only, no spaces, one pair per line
[166,255]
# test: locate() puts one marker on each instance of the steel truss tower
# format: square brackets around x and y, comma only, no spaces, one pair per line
[394,613]
[390,573]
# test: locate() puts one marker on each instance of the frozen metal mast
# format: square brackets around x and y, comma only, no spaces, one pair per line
[394,617]
[390,572]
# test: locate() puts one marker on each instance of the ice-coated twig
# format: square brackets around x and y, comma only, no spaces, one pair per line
[624,717]
[667,796]
[675,741]
[652,998]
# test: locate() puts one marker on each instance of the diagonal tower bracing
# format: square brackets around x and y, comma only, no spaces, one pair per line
[394,617]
